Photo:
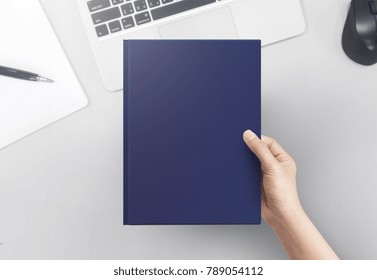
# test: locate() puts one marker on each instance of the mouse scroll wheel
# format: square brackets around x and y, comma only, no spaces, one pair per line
[373,7]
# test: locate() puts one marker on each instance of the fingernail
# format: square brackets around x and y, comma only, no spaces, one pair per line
[249,135]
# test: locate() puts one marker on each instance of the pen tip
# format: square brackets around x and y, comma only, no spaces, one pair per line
[43,79]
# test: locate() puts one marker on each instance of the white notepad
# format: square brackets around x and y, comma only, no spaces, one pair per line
[28,42]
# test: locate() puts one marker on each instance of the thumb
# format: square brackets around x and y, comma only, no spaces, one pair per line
[259,148]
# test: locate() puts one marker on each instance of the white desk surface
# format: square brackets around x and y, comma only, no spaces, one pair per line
[62,186]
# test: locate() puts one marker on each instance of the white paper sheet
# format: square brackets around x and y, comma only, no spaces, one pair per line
[28,42]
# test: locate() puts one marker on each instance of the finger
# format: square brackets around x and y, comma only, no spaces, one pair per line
[277,151]
[259,148]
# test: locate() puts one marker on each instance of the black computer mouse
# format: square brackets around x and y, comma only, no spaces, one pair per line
[360,32]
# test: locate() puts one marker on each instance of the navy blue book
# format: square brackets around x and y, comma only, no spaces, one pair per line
[186,106]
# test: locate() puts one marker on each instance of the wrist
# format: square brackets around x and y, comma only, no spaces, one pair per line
[287,217]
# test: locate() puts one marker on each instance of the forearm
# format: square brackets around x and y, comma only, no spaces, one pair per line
[300,238]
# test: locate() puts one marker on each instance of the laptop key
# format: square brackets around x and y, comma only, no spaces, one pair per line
[178,7]
[128,22]
[115,26]
[102,30]
[142,18]
[106,15]
[166,1]
[140,5]
[127,9]
[97,5]
[116,2]
[153,3]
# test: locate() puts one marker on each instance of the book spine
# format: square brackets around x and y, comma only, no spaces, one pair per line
[126,139]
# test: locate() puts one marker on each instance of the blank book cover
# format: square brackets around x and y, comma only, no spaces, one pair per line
[186,106]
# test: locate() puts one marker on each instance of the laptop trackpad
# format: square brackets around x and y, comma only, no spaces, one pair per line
[217,24]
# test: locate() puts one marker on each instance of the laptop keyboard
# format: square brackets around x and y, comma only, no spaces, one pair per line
[112,16]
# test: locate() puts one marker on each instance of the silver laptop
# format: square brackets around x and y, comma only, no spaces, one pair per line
[109,22]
